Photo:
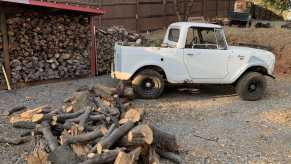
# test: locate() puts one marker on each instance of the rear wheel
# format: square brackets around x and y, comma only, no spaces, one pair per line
[148,84]
[251,86]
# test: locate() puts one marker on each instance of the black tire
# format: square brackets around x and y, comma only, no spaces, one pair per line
[148,84]
[252,86]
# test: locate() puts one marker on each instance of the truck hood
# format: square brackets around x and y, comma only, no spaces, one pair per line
[265,55]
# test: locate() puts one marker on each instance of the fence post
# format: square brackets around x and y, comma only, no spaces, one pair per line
[204,8]
[3,24]
[164,12]
[137,16]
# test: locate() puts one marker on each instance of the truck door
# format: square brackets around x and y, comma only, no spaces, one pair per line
[205,54]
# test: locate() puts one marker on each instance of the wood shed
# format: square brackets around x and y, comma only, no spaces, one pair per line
[45,40]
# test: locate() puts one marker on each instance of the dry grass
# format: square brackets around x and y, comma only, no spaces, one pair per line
[277,38]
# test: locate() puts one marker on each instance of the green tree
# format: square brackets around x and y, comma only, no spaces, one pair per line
[281,5]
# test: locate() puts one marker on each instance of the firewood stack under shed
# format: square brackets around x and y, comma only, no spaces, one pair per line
[93,127]
[105,41]
[44,47]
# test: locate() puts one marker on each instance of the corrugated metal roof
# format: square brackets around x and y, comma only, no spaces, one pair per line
[95,11]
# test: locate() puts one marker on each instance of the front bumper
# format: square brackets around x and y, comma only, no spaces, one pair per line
[120,75]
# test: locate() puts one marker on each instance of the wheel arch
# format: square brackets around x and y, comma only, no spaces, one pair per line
[258,68]
[153,67]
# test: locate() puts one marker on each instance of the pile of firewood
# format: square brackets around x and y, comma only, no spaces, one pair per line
[105,41]
[44,47]
[93,127]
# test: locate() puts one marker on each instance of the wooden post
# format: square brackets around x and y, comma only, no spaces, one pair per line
[216,8]
[93,47]
[165,13]
[137,16]
[100,5]
[204,8]
[5,44]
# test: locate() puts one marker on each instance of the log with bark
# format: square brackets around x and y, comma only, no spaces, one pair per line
[96,129]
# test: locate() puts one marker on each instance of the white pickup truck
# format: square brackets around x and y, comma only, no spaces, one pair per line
[195,53]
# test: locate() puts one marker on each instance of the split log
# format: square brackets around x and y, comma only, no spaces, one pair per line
[131,158]
[138,136]
[106,157]
[24,125]
[14,141]
[164,141]
[14,110]
[38,118]
[134,115]
[108,141]
[172,157]
[48,135]
[28,114]
[84,137]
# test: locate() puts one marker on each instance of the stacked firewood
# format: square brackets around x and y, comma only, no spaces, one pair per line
[44,47]
[105,41]
[93,127]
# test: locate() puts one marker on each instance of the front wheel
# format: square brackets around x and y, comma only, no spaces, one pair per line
[148,84]
[251,86]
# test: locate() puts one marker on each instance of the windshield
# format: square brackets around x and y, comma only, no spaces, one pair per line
[220,38]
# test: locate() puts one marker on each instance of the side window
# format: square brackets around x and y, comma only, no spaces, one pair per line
[174,35]
[192,37]
[208,36]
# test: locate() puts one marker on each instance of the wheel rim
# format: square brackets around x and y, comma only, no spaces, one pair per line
[254,86]
[148,86]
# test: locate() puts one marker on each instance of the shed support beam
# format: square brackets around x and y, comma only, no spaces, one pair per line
[3,24]
[93,47]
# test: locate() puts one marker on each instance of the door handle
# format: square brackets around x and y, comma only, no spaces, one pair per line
[190,54]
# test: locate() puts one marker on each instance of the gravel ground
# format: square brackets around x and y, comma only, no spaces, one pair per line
[212,124]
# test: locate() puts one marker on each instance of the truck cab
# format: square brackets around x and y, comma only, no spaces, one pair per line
[195,53]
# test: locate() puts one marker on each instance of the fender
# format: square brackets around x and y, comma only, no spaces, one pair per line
[253,62]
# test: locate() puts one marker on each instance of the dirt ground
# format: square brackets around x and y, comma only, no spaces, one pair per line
[211,123]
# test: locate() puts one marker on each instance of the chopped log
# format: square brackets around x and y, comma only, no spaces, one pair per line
[84,137]
[17,118]
[138,136]
[108,141]
[83,101]
[108,132]
[63,155]
[28,114]
[14,110]
[153,156]
[39,156]
[24,125]
[164,141]
[106,157]
[102,90]
[83,120]
[172,157]
[48,135]
[134,115]
[63,117]
[38,118]
[131,158]
[106,109]
[14,141]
